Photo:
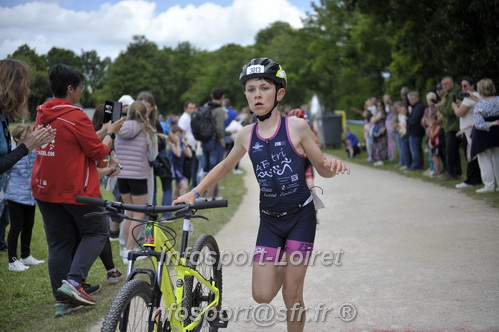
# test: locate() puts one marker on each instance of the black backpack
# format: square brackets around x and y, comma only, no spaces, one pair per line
[203,124]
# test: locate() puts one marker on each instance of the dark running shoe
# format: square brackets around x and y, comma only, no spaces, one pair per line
[76,294]
[91,289]
[62,309]
[114,277]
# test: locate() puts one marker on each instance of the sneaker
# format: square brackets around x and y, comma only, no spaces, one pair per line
[124,253]
[17,266]
[378,163]
[125,259]
[428,172]
[30,260]
[114,277]
[237,171]
[75,293]
[463,185]
[62,309]
[485,190]
[403,167]
[91,289]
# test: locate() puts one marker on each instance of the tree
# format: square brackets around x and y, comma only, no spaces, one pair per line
[219,68]
[434,39]
[57,56]
[134,70]
[39,86]
[288,46]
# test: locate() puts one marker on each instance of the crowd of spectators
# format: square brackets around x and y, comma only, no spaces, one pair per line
[454,116]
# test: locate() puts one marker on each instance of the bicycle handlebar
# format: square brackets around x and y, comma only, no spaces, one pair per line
[200,204]
[91,200]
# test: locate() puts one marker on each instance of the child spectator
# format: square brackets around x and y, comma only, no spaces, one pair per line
[351,143]
[178,151]
[436,142]
[21,205]
[431,100]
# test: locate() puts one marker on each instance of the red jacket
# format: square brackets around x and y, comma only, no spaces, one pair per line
[66,167]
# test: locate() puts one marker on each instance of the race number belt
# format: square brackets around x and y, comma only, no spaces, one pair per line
[287,213]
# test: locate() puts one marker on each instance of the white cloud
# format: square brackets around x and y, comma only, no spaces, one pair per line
[109,29]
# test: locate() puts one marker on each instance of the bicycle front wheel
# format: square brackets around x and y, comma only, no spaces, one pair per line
[129,310]
[205,259]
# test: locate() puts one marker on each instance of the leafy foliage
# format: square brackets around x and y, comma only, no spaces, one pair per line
[346,51]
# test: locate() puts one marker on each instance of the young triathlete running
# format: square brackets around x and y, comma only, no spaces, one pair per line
[276,146]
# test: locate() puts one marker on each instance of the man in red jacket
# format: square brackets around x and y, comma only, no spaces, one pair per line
[65,168]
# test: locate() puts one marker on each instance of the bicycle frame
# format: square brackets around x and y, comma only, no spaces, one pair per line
[158,246]
[156,240]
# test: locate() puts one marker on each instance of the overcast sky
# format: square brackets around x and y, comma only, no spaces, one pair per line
[108,26]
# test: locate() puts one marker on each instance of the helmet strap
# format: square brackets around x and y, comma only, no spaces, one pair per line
[269,113]
[266,116]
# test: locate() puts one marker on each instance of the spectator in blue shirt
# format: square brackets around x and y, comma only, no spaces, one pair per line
[351,143]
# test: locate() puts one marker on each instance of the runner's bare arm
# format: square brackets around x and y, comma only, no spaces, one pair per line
[305,138]
[219,171]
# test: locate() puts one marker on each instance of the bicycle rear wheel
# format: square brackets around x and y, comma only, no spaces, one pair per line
[205,259]
[130,309]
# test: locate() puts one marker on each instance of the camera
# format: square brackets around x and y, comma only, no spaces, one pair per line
[463,95]
[112,111]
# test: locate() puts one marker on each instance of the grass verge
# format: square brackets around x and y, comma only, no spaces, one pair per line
[26,301]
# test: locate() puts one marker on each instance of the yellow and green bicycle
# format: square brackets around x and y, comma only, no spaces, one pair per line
[184,292]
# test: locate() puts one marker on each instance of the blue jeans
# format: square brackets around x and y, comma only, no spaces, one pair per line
[405,153]
[213,153]
[416,152]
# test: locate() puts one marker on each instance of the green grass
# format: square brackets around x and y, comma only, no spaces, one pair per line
[26,300]
[491,199]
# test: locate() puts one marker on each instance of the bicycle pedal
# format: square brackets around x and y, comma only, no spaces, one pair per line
[219,319]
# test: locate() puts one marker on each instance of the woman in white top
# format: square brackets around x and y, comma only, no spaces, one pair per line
[464,111]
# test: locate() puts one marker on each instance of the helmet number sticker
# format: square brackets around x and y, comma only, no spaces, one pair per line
[255,69]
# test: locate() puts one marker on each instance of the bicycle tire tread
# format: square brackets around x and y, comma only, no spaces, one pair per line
[132,288]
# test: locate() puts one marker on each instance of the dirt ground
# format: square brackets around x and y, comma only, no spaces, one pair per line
[403,255]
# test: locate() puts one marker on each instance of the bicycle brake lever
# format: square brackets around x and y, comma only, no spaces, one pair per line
[200,217]
[182,212]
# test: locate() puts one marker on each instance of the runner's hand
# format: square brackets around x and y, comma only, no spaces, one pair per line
[336,166]
[188,198]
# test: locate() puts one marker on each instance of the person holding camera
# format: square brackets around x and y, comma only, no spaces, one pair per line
[464,111]
[64,168]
